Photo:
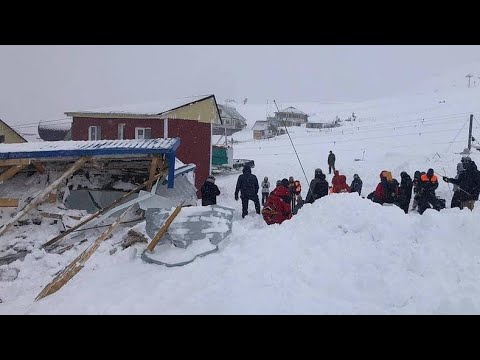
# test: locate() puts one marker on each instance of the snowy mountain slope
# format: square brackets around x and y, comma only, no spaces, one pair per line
[342,254]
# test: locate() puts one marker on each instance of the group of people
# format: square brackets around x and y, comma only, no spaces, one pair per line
[285,199]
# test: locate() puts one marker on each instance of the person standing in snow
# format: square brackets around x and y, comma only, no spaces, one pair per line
[456,191]
[356,185]
[405,191]
[318,187]
[468,184]
[331,162]
[209,192]
[247,185]
[265,189]
[295,189]
[277,208]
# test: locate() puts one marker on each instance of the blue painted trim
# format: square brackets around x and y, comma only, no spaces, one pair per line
[171,169]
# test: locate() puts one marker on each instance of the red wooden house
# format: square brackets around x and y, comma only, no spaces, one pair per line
[191,119]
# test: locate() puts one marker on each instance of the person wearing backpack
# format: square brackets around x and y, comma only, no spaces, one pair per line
[318,187]
[247,185]
[277,208]
[265,189]
[209,192]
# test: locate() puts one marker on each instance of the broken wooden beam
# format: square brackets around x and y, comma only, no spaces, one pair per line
[8,202]
[76,265]
[41,197]
[164,228]
[14,162]
[101,211]
[7,174]
[153,169]
[39,166]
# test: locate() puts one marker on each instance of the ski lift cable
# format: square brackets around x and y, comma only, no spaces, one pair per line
[455,138]
[286,130]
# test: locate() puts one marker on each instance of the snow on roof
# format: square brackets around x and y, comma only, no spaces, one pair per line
[154,108]
[260,125]
[232,112]
[53,149]
[292,110]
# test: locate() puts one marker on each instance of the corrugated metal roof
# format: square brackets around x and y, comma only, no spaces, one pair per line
[52,149]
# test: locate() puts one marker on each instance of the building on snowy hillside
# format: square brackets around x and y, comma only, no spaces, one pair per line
[230,121]
[262,129]
[190,119]
[8,135]
[291,116]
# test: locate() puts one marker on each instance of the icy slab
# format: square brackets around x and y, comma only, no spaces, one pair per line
[195,232]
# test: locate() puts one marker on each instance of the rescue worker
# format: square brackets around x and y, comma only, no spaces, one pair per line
[386,191]
[416,188]
[428,184]
[295,189]
[468,184]
[456,190]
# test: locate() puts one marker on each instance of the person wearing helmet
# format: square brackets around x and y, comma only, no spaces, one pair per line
[318,187]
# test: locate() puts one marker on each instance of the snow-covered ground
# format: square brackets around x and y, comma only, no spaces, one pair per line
[341,255]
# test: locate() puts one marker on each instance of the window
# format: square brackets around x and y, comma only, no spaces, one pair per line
[2,139]
[121,131]
[94,133]
[143,133]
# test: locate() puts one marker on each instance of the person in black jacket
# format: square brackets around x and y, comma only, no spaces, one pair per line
[356,185]
[209,192]
[318,187]
[247,185]
[468,184]
[405,191]
[331,162]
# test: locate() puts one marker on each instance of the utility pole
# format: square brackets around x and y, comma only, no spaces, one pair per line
[469,76]
[470,133]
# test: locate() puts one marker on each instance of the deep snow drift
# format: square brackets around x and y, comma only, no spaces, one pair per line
[343,254]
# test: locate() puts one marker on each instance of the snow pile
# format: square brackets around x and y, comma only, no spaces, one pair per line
[343,254]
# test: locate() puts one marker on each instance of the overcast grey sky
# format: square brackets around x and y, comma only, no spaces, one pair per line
[41,82]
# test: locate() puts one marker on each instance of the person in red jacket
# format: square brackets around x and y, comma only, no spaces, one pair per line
[387,189]
[339,183]
[277,208]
